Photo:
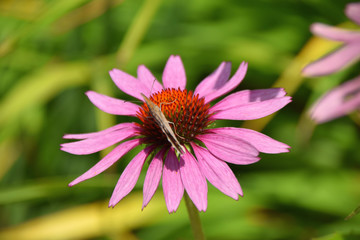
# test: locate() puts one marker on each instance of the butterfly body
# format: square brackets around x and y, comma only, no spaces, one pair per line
[164,125]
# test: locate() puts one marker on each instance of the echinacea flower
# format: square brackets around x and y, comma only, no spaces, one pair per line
[345,98]
[338,102]
[189,114]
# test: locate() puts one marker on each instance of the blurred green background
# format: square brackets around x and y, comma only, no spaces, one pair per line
[52,51]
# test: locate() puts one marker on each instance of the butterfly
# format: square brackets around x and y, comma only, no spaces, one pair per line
[164,125]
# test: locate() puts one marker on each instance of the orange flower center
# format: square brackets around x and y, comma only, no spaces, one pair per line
[186,114]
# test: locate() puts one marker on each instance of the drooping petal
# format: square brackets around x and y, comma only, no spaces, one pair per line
[153,176]
[174,73]
[100,133]
[99,142]
[335,61]
[107,161]
[129,177]
[193,180]
[230,85]
[352,11]
[128,84]
[260,141]
[338,102]
[214,81]
[334,33]
[230,149]
[146,77]
[217,172]
[112,105]
[250,104]
[172,185]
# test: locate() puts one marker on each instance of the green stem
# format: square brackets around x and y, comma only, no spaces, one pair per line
[194,219]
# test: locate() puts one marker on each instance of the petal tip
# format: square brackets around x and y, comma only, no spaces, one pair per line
[89,93]
[171,211]
[74,182]
[308,71]
[352,11]
[315,26]
[112,71]
[111,203]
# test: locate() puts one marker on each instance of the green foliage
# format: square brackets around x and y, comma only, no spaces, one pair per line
[53,51]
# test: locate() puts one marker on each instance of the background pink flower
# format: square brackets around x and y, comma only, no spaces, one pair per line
[345,98]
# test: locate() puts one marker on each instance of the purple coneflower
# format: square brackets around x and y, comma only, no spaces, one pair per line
[189,114]
[345,98]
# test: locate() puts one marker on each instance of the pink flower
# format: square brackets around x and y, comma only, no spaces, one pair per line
[347,54]
[206,150]
[337,102]
[345,98]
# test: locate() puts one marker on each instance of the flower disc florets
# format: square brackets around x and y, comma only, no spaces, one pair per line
[186,113]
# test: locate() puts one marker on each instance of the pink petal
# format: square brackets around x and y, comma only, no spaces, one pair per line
[335,33]
[172,184]
[248,96]
[214,81]
[174,73]
[352,11]
[230,149]
[147,78]
[153,176]
[250,104]
[128,84]
[335,61]
[112,105]
[107,161]
[230,85]
[338,102]
[260,141]
[100,133]
[194,181]
[98,143]
[217,172]
[129,177]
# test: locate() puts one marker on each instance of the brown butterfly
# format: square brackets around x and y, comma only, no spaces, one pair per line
[164,125]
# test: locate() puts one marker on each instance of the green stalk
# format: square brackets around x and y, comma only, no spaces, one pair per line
[194,219]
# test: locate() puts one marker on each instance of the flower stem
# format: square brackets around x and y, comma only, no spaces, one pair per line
[194,219]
